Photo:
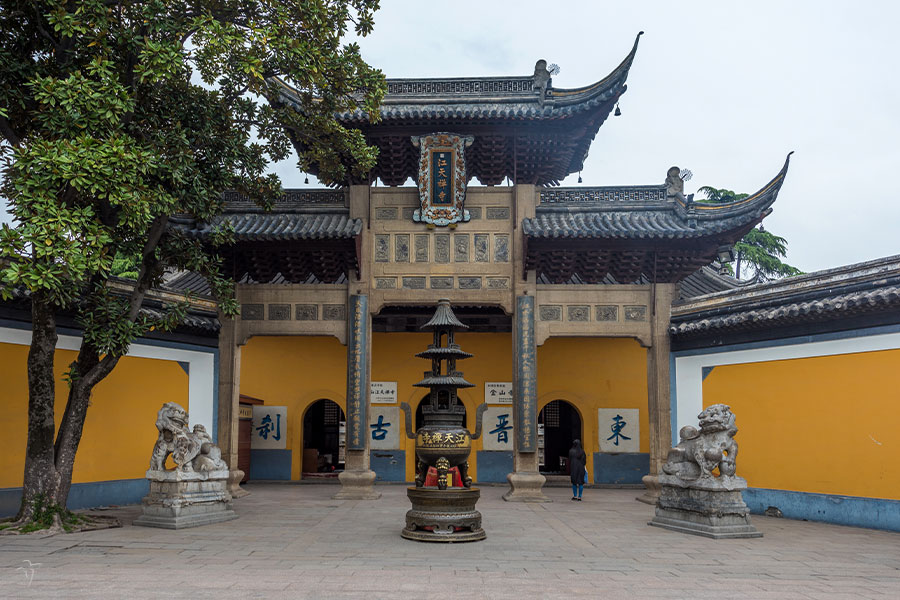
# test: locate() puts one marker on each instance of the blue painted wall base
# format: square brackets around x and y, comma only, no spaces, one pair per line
[875,513]
[625,468]
[493,467]
[389,465]
[85,495]
[270,464]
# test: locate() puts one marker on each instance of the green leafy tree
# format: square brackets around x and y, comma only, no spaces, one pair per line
[760,251]
[125,267]
[117,115]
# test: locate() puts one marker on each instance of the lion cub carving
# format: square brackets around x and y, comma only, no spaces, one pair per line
[191,450]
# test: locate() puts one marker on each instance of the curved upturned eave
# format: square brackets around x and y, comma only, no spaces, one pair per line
[560,103]
[680,220]
[562,96]
[757,203]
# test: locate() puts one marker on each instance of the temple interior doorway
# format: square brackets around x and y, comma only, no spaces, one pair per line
[324,438]
[559,424]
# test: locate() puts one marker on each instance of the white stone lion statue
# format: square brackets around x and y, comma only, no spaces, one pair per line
[700,452]
[191,450]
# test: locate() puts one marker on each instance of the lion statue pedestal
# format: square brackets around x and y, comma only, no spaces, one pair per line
[195,492]
[696,500]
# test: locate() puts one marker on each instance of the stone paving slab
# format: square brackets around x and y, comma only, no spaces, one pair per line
[294,541]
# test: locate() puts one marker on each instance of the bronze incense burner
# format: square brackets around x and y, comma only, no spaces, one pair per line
[443,513]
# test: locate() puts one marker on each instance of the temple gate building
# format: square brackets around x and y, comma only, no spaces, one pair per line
[593,313]
[567,291]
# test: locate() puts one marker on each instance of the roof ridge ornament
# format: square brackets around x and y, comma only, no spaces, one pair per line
[543,78]
[564,122]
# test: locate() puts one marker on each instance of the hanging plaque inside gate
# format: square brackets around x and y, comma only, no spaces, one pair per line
[442,179]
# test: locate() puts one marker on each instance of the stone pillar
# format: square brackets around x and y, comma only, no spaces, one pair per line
[357,480]
[229,401]
[658,392]
[525,482]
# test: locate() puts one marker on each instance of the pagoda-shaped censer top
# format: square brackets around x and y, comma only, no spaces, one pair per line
[443,441]
[443,379]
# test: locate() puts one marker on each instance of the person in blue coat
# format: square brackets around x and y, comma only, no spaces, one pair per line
[577,460]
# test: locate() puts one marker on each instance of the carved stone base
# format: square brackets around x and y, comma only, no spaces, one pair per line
[651,495]
[178,500]
[526,487]
[234,484]
[357,485]
[708,510]
[449,515]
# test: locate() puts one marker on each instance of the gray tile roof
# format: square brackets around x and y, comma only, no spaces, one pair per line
[200,323]
[484,98]
[642,213]
[647,224]
[707,280]
[269,227]
[197,320]
[188,281]
[833,294]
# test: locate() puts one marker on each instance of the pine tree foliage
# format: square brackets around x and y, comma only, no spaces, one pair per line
[759,253]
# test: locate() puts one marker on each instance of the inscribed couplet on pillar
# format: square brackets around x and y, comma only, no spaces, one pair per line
[526,375]
[442,178]
[357,385]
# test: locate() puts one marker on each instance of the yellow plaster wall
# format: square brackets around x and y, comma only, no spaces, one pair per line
[825,424]
[590,373]
[593,373]
[294,371]
[119,431]
[394,359]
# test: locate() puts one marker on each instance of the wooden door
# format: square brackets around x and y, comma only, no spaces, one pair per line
[245,429]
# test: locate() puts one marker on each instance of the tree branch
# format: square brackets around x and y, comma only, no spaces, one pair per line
[145,275]
[8,132]
[229,99]
[46,34]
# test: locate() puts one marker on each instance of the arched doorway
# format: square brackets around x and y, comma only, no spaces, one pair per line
[324,438]
[559,424]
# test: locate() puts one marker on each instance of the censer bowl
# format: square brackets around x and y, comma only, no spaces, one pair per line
[452,443]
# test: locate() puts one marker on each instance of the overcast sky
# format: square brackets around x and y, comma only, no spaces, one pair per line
[725,89]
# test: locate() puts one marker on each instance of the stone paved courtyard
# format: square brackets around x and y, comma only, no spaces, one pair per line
[294,541]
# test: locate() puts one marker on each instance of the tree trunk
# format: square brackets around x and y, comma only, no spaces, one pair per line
[41,477]
[67,440]
[737,268]
[49,465]
[72,425]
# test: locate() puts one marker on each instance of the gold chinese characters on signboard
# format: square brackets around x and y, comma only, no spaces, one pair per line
[442,179]
[438,439]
